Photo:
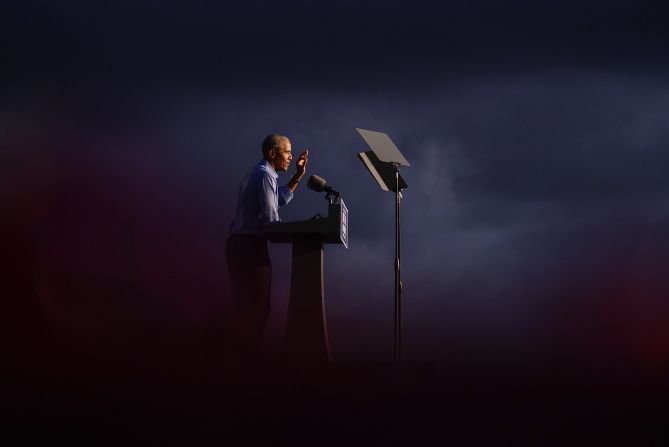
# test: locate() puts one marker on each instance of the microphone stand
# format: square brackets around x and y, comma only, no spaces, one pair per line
[331,197]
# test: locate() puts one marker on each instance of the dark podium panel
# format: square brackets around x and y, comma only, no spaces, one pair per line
[306,326]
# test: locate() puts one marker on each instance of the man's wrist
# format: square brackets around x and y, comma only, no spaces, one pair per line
[295,178]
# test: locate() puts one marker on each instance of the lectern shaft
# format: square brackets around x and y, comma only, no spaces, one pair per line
[306,329]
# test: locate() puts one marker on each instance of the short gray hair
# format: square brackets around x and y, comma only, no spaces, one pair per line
[272,141]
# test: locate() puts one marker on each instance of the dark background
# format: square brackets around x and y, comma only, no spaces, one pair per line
[534,226]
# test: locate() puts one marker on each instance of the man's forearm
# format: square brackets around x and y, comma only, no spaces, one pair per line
[293,182]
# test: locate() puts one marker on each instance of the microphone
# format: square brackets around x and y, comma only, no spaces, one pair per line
[319,184]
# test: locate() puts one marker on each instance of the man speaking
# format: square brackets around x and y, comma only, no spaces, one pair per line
[258,202]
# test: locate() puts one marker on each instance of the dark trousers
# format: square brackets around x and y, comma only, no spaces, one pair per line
[250,280]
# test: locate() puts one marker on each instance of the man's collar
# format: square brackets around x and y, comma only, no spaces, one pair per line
[269,168]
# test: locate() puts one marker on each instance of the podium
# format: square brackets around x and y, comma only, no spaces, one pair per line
[306,339]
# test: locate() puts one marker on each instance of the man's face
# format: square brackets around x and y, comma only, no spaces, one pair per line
[281,156]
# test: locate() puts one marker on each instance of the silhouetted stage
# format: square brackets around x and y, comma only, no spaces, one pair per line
[372,404]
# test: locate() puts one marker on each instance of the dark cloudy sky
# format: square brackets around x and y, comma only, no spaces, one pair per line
[534,225]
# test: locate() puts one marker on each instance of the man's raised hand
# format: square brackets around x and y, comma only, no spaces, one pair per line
[301,164]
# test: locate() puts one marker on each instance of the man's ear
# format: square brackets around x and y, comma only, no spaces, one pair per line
[271,153]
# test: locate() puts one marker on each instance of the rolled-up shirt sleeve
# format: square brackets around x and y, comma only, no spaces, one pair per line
[285,195]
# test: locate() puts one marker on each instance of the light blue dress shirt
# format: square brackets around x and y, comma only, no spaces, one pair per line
[259,199]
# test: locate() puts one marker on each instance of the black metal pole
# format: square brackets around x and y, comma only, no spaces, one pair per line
[398,277]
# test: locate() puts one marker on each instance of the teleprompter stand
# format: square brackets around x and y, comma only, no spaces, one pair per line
[383,163]
[306,339]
